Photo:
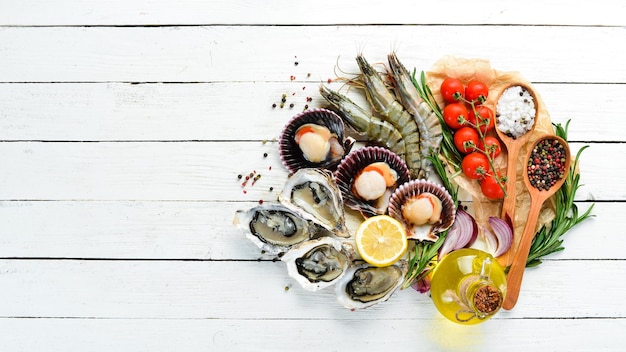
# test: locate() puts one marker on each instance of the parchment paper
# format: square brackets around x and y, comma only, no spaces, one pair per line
[465,70]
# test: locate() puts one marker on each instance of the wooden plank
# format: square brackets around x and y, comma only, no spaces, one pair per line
[203,230]
[198,171]
[196,111]
[253,53]
[226,290]
[146,12]
[304,334]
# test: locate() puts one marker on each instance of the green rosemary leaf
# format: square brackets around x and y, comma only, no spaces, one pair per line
[549,239]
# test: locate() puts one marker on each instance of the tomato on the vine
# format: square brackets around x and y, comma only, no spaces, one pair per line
[487,121]
[455,115]
[476,91]
[491,188]
[475,165]
[466,139]
[491,145]
[452,89]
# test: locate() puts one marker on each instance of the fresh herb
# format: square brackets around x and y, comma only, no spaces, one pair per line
[421,256]
[447,143]
[548,240]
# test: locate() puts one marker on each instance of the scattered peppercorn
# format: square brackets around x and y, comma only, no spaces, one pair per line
[274,105]
[296,63]
[239,176]
[291,105]
[546,164]
[265,155]
[271,189]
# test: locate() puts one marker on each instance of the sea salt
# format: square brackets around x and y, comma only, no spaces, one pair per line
[515,112]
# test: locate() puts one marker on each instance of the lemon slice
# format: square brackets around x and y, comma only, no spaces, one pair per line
[381,240]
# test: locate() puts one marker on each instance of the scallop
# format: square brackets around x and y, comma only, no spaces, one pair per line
[275,228]
[368,176]
[364,285]
[314,138]
[424,208]
[319,263]
[314,195]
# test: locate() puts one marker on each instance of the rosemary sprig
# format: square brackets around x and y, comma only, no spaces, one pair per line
[548,240]
[447,143]
[422,254]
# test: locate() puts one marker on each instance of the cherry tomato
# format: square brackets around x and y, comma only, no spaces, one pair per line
[475,165]
[491,145]
[455,115]
[491,188]
[452,89]
[486,122]
[466,139]
[476,91]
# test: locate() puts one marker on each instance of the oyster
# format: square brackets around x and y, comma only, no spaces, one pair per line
[314,194]
[424,208]
[364,285]
[313,138]
[368,176]
[274,227]
[318,263]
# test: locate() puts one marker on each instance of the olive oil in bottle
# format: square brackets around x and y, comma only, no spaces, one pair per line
[468,286]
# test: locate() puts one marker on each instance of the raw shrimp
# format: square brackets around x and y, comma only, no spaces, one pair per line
[427,122]
[374,128]
[385,104]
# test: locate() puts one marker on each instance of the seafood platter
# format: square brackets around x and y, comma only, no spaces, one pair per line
[435,156]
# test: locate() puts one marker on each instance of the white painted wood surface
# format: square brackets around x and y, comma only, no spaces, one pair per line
[124,125]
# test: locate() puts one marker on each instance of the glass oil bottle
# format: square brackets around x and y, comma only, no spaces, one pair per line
[468,286]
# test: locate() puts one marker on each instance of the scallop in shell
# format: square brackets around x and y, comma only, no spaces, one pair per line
[368,176]
[319,263]
[274,227]
[424,208]
[314,195]
[313,138]
[364,285]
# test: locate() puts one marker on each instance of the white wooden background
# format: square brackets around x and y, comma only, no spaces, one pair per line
[124,125]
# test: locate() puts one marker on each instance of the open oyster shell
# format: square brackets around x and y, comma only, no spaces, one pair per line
[364,285]
[314,195]
[294,156]
[354,163]
[412,190]
[319,263]
[275,228]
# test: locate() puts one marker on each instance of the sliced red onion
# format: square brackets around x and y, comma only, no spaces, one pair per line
[462,233]
[499,241]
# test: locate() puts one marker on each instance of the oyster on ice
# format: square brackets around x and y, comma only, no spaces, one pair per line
[314,194]
[318,263]
[424,208]
[274,227]
[364,285]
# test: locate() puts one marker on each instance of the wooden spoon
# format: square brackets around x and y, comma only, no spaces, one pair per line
[537,198]
[513,146]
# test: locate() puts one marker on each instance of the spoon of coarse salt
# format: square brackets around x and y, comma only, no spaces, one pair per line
[545,169]
[516,114]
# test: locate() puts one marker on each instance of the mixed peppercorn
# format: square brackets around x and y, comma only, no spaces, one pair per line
[546,164]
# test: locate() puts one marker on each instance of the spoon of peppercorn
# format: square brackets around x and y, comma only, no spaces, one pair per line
[545,170]
[513,143]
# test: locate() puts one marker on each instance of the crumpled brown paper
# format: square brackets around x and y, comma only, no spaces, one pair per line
[465,70]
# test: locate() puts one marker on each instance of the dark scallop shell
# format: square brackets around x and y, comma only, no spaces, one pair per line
[290,154]
[356,161]
[412,189]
